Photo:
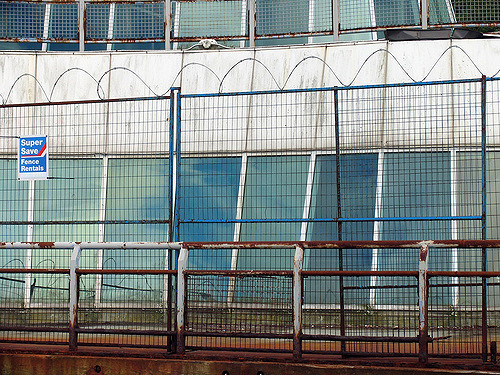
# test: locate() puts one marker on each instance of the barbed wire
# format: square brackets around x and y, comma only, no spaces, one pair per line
[101,93]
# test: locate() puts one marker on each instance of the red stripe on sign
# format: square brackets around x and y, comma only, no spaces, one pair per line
[38,155]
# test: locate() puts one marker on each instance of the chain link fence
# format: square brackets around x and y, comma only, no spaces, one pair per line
[400,162]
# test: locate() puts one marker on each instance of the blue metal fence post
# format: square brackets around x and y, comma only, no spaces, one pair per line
[484,286]
[171,287]
[177,168]
[343,345]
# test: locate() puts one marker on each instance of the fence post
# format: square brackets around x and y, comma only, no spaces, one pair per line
[73,297]
[423,307]
[484,268]
[297,301]
[252,22]
[171,203]
[338,171]
[177,172]
[181,299]
[81,25]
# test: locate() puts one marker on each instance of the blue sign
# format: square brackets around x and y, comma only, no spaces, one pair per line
[33,158]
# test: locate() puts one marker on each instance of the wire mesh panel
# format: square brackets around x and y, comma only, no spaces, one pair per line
[126,301]
[481,11]
[260,306]
[320,16]
[193,20]
[441,12]
[63,21]
[395,13]
[139,21]
[21,20]
[357,14]
[34,306]
[105,158]
[282,17]
[98,21]
[109,179]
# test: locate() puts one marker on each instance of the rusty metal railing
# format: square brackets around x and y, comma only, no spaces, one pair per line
[255,314]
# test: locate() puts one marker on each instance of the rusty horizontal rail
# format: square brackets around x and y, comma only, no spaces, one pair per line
[464,244]
[111,331]
[259,335]
[36,270]
[361,338]
[123,272]
[278,313]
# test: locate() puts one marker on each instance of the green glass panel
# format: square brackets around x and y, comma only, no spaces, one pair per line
[275,189]
[209,191]
[137,190]
[414,185]
[357,196]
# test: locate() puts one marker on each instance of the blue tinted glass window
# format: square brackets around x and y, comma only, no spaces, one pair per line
[415,185]
[357,196]
[209,192]
[275,189]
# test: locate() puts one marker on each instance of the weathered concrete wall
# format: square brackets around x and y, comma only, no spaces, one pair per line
[34,76]
[33,364]
[42,77]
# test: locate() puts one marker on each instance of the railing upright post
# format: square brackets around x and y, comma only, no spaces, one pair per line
[181,300]
[423,307]
[297,301]
[73,297]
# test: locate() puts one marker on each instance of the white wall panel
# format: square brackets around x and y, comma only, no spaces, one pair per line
[68,77]
[414,60]
[13,66]
[136,74]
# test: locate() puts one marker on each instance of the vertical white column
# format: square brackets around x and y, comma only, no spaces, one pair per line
[377,224]
[336,19]
[176,22]
[454,223]
[424,13]
[168,22]
[243,29]
[373,19]
[451,11]
[312,4]
[46,23]
[111,25]
[237,225]
[101,237]
[29,238]
[308,197]
[181,299]
[298,261]
[423,289]
[73,296]
[252,19]
[81,25]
